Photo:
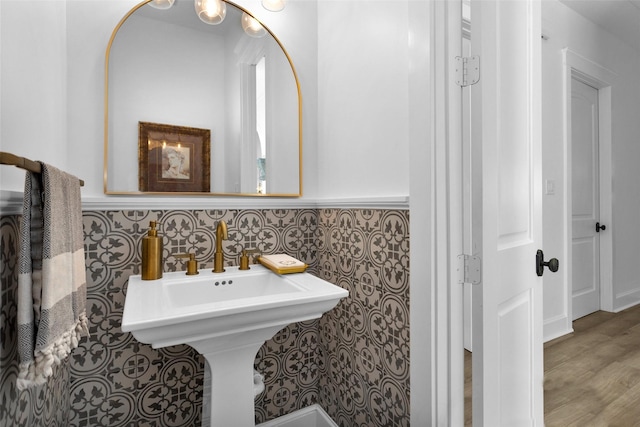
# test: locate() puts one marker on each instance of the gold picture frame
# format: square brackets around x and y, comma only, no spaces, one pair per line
[173,158]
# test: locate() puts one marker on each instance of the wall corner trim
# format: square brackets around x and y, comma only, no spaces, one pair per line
[383,202]
[11,203]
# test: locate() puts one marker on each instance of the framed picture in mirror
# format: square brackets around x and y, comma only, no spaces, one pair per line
[173,158]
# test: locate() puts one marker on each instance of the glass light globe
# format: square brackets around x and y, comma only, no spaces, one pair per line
[211,11]
[252,27]
[161,4]
[273,5]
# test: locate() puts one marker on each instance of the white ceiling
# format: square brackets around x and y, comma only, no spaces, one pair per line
[619,17]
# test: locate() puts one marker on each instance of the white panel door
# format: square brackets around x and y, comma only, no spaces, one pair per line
[585,201]
[507,306]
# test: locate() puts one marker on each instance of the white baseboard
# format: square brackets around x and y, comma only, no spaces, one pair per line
[626,300]
[556,327]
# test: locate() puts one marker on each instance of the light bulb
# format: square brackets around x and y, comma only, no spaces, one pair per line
[161,4]
[273,5]
[252,27]
[211,11]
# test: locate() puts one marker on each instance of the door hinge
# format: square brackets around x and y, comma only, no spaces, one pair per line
[467,70]
[469,269]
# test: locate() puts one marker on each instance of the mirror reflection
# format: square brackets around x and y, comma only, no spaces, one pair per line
[233,80]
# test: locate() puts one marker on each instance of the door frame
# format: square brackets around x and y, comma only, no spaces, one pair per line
[435,126]
[600,78]
[437,363]
[430,367]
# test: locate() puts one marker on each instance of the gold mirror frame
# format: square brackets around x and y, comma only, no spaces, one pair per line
[188,193]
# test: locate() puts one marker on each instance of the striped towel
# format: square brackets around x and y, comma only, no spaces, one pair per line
[52,286]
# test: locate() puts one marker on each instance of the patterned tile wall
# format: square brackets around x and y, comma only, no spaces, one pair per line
[354,361]
[164,387]
[47,405]
[365,341]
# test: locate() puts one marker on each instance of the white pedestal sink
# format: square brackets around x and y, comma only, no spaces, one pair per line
[226,317]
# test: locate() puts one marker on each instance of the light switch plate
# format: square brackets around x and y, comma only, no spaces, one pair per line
[550,187]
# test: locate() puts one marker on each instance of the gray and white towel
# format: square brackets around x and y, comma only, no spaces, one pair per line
[52,286]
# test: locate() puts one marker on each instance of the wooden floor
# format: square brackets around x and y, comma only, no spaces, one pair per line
[592,377]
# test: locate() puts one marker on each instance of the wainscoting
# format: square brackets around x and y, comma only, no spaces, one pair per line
[354,362]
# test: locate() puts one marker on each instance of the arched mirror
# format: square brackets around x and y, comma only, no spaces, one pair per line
[195,108]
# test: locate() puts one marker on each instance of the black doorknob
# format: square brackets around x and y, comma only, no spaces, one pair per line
[600,227]
[553,264]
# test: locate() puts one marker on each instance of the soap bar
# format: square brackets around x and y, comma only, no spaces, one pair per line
[282,263]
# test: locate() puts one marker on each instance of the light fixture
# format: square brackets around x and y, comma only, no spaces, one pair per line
[211,11]
[252,27]
[161,4]
[273,5]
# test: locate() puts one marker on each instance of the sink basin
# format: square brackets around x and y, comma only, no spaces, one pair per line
[226,317]
[233,288]
[178,309]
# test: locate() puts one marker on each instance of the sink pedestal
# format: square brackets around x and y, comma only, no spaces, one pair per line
[231,359]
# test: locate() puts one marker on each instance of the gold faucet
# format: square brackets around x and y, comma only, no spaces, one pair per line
[244,258]
[218,255]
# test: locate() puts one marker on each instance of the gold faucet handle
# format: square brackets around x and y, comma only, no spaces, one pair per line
[192,265]
[244,258]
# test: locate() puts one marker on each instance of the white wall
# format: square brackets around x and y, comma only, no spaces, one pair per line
[565,28]
[33,85]
[363,63]
[53,58]
[351,58]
